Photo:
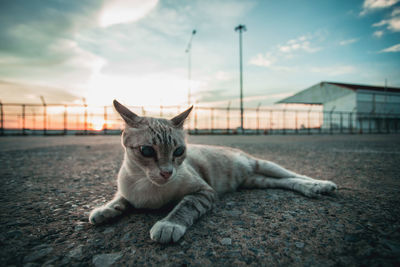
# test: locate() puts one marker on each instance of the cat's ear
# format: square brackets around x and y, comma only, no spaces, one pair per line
[178,121]
[128,116]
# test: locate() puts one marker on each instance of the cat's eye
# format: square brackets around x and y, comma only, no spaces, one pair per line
[179,151]
[147,151]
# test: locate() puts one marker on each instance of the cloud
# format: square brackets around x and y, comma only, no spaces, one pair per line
[372,5]
[125,11]
[392,23]
[392,49]
[302,43]
[286,51]
[268,60]
[349,41]
[263,60]
[223,76]
[395,12]
[29,28]
[334,70]
[12,92]
[378,34]
[39,42]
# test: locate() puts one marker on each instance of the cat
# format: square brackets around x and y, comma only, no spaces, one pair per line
[160,168]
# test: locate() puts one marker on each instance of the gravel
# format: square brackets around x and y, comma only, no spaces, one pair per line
[105,260]
[49,185]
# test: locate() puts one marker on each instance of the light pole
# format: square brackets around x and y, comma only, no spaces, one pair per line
[188,51]
[240,28]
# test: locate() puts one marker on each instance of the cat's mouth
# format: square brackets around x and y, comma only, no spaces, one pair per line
[160,181]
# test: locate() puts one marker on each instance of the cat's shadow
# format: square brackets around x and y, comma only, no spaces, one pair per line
[149,216]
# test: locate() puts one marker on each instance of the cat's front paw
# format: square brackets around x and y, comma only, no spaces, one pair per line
[315,189]
[103,214]
[166,232]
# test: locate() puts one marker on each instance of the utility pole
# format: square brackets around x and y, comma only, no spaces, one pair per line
[188,51]
[240,28]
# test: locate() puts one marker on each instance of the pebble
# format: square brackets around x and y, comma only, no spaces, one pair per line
[392,245]
[226,241]
[36,255]
[105,260]
[351,238]
[272,197]
[76,253]
[30,264]
[126,237]
[13,234]
[299,244]
[108,230]
[79,226]
[233,213]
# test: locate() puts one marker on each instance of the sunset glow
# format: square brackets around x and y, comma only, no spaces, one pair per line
[136,51]
[97,124]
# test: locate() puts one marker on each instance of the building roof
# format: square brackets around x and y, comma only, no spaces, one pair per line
[356,87]
[323,92]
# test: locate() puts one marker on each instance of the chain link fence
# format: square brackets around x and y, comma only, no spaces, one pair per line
[81,119]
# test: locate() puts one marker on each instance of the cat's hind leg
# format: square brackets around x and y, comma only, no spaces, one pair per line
[308,187]
[110,210]
[271,169]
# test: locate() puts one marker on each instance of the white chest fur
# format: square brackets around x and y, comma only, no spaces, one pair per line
[143,194]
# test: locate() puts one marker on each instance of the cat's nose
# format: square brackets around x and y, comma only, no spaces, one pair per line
[166,174]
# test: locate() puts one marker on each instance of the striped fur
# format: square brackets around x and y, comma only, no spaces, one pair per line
[198,175]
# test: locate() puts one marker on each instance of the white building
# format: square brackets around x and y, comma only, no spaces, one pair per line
[353,106]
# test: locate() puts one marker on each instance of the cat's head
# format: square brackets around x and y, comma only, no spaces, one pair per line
[157,146]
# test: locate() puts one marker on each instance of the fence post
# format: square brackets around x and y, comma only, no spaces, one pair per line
[284,121]
[341,122]
[330,120]
[308,121]
[321,120]
[105,120]
[23,119]
[297,117]
[33,120]
[271,112]
[44,115]
[387,123]
[1,119]
[65,119]
[85,115]
[369,122]
[161,111]
[351,122]
[228,109]
[212,120]
[195,120]
[258,118]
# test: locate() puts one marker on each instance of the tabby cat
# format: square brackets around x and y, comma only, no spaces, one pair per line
[160,168]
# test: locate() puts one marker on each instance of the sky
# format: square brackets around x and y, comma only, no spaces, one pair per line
[134,50]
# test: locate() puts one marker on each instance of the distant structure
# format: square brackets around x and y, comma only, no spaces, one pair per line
[369,106]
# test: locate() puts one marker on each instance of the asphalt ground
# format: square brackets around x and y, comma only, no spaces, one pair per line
[48,186]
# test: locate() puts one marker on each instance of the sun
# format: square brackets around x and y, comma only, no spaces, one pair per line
[97,124]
